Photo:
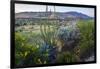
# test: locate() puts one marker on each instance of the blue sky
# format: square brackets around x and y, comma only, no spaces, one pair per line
[32,8]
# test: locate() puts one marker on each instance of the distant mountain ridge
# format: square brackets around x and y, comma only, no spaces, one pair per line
[61,15]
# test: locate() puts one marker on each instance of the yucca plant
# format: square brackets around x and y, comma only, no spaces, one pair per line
[48,32]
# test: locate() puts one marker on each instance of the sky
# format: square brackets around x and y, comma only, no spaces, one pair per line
[39,8]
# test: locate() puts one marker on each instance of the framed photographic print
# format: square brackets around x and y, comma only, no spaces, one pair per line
[49,34]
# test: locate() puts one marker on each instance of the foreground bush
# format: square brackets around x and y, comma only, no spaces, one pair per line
[86,43]
[66,57]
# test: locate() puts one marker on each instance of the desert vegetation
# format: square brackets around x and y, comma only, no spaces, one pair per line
[53,43]
[53,37]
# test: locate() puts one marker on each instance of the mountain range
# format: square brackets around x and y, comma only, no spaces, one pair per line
[61,15]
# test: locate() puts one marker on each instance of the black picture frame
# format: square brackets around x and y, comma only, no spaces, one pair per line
[12,30]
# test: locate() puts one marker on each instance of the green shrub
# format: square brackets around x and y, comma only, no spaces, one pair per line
[25,53]
[86,43]
[66,57]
